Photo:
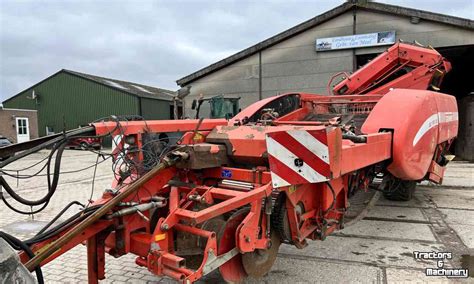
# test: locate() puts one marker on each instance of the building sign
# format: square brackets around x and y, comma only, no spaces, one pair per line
[355,41]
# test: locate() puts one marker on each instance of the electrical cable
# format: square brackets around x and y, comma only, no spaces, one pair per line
[32,175]
[93,182]
[43,175]
[24,169]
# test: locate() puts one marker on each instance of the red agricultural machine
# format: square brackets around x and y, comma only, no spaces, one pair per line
[194,197]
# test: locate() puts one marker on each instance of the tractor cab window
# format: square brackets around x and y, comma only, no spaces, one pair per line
[282,106]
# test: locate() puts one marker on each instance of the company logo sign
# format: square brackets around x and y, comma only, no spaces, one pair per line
[355,41]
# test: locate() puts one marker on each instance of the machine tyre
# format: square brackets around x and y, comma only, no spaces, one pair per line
[400,190]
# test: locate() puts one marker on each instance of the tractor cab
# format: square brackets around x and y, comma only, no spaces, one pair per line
[219,107]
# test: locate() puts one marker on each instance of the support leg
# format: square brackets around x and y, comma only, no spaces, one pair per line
[96,258]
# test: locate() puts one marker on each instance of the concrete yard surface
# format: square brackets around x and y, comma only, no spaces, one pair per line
[377,249]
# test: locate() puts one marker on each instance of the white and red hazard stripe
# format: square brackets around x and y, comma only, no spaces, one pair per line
[284,147]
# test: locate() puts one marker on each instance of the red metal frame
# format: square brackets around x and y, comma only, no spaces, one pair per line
[202,195]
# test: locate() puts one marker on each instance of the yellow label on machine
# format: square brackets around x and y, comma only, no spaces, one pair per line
[160,237]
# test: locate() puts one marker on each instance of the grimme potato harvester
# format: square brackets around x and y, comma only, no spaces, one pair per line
[194,197]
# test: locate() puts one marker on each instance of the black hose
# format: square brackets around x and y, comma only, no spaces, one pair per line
[62,138]
[59,215]
[62,226]
[51,185]
[19,245]
[333,199]
[21,211]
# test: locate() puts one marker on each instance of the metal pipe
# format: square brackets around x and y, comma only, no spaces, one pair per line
[56,245]
[136,208]
[194,231]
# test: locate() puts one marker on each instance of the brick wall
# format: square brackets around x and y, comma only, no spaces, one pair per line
[8,122]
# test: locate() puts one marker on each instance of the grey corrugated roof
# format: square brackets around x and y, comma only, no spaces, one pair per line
[136,89]
[142,91]
[359,4]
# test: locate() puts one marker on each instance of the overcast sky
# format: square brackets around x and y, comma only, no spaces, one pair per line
[149,42]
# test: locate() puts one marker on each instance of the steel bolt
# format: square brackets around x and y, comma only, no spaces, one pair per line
[165,227]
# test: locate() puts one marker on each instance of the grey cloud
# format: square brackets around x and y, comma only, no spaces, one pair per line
[149,42]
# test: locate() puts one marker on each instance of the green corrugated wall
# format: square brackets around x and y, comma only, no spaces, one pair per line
[70,101]
[155,109]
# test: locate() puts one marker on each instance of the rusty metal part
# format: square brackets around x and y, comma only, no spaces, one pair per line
[259,262]
[214,225]
[192,246]
[79,228]
[204,155]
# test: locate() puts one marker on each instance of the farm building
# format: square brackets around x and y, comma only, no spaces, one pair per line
[297,60]
[18,125]
[68,99]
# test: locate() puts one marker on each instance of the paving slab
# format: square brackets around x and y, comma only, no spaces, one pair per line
[289,270]
[462,222]
[369,251]
[461,217]
[466,233]
[459,174]
[418,201]
[396,213]
[451,198]
[408,231]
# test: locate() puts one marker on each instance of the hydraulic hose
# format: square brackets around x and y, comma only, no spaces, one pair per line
[19,245]
[71,221]
[52,185]
[91,219]
[59,215]
[26,151]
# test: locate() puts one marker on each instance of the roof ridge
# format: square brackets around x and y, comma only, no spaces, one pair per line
[312,22]
[87,75]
